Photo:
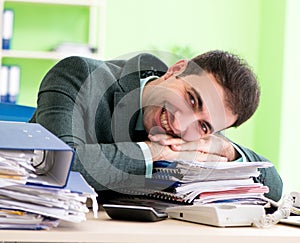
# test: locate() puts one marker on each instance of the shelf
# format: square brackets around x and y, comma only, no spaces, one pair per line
[96,22]
[89,30]
[63,2]
[42,54]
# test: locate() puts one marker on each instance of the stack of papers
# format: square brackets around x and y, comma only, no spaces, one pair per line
[15,167]
[37,189]
[211,182]
[14,219]
[212,171]
[39,207]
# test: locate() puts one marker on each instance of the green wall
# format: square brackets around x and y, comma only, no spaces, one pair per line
[270,73]
[249,28]
[202,25]
[290,117]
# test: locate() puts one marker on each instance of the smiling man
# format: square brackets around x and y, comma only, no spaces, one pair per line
[121,115]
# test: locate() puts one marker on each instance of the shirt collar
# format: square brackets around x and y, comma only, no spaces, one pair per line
[143,81]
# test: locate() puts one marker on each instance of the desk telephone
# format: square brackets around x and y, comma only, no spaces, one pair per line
[221,215]
[224,215]
[294,218]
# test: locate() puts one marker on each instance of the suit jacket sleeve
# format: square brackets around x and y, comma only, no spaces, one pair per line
[63,110]
[268,177]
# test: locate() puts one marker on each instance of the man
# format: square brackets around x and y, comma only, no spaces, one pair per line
[122,115]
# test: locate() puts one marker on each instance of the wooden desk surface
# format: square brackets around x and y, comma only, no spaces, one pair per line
[104,229]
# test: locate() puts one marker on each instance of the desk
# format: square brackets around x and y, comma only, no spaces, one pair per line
[104,229]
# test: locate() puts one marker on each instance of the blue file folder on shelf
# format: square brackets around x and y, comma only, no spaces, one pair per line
[18,136]
[7,28]
[12,112]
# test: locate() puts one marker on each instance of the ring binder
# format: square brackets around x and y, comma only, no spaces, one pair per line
[55,167]
[40,162]
[7,28]
[4,74]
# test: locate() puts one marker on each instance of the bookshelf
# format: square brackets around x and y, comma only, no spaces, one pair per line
[40,26]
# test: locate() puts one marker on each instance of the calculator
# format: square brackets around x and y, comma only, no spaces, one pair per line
[134,213]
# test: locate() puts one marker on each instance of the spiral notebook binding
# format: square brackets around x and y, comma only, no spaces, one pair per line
[168,171]
[156,194]
[168,196]
[169,174]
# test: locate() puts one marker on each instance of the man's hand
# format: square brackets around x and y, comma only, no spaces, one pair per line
[209,148]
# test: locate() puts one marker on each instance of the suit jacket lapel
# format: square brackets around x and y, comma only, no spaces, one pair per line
[127,103]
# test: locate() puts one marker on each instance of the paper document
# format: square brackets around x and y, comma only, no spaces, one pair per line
[190,182]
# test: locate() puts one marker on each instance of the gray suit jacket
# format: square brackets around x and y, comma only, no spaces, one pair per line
[93,106]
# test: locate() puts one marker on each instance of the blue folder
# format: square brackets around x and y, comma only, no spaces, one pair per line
[13,112]
[76,183]
[20,136]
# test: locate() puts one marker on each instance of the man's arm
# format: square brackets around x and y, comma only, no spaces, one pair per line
[65,107]
[215,148]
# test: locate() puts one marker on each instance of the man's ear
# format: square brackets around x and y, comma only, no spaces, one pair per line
[176,68]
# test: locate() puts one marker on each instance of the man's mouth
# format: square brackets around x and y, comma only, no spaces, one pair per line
[164,121]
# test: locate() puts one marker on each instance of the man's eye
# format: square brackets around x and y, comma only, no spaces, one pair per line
[204,127]
[192,99]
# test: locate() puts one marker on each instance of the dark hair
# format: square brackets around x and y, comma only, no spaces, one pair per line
[242,91]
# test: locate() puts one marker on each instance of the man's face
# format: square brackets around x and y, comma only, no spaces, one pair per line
[189,107]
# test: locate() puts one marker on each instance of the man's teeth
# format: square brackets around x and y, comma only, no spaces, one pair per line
[164,122]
